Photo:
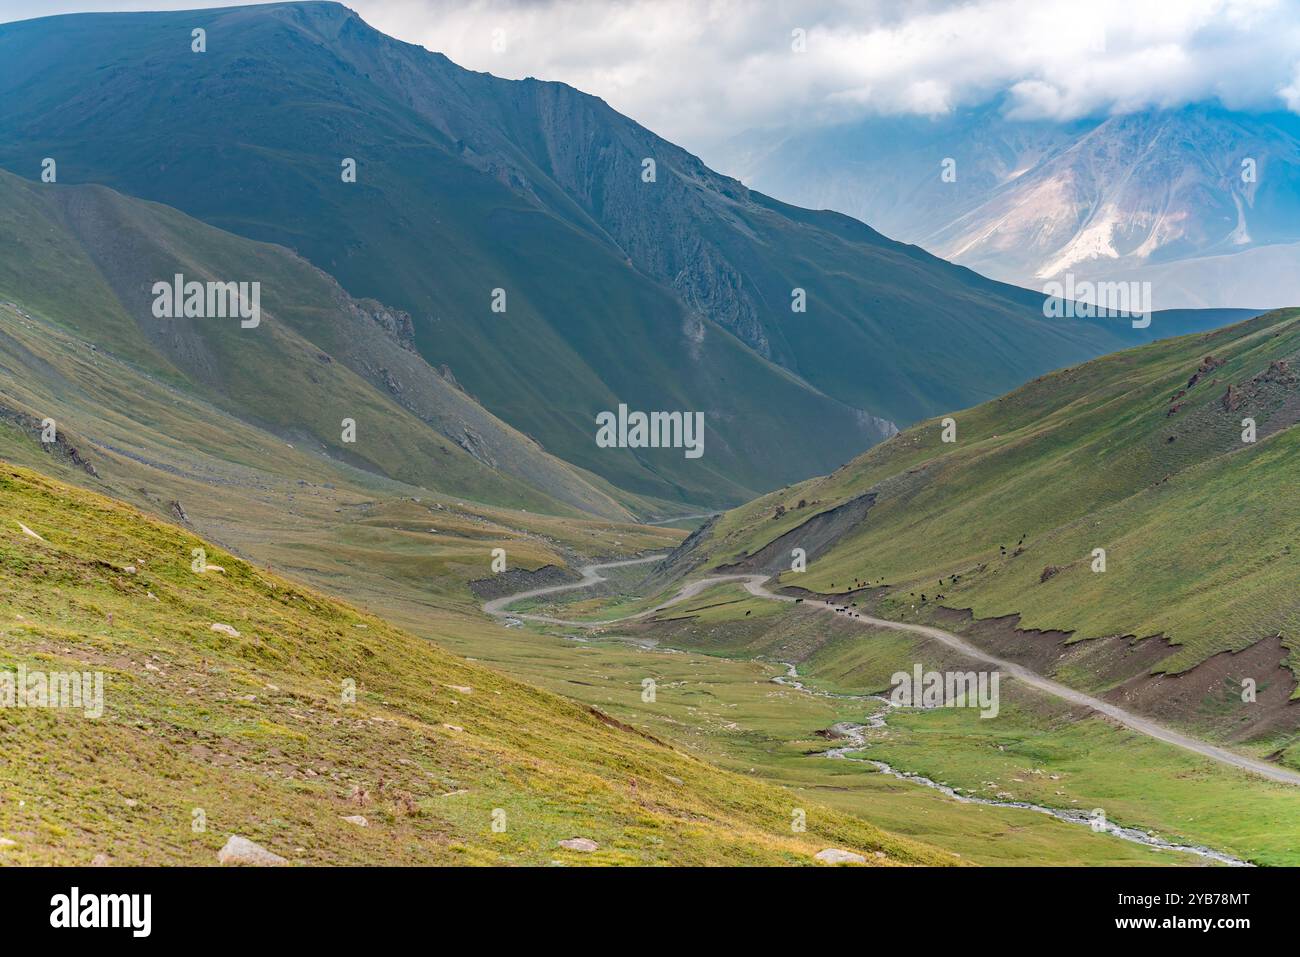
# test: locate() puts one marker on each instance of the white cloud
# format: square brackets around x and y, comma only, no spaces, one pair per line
[699,71]
[1290,93]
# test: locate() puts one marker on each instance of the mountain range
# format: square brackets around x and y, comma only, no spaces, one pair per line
[1201,201]
[550,256]
[392,469]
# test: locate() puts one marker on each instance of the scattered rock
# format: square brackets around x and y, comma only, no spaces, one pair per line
[1279,371]
[224,629]
[839,730]
[357,819]
[99,860]
[6,842]
[242,851]
[1209,364]
[584,844]
[1051,571]
[453,727]
[834,855]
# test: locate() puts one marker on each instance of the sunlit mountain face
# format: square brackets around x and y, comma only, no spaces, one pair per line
[1200,201]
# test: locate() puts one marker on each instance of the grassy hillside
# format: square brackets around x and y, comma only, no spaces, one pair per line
[86,258]
[252,729]
[674,294]
[408,554]
[401,549]
[1138,453]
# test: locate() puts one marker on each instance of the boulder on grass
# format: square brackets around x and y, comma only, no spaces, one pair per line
[242,851]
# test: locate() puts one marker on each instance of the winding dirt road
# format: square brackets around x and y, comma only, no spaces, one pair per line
[590,576]
[756,586]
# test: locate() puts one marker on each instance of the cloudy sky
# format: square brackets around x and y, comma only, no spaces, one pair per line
[698,71]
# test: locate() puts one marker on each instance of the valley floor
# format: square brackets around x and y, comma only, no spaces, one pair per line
[1177,783]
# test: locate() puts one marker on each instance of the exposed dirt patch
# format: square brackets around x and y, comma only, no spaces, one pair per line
[1207,696]
[1043,651]
[683,559]
[605,719]
[521,579]
[816,537]
[1211,693]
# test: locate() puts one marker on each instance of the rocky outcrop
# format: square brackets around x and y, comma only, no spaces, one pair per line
[835,855]
[61,446]
[395,323]
[521,579]
[1208,364]
[240,851]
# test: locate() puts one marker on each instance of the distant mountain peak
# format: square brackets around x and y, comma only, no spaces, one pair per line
[629,271]
[1201,201]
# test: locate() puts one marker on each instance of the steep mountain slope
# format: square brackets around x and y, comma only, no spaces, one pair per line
[237,432]
[888,171]
[673,294]
[1202,202]
[1141,454]
[301,712]
[404,551]
[87,258]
